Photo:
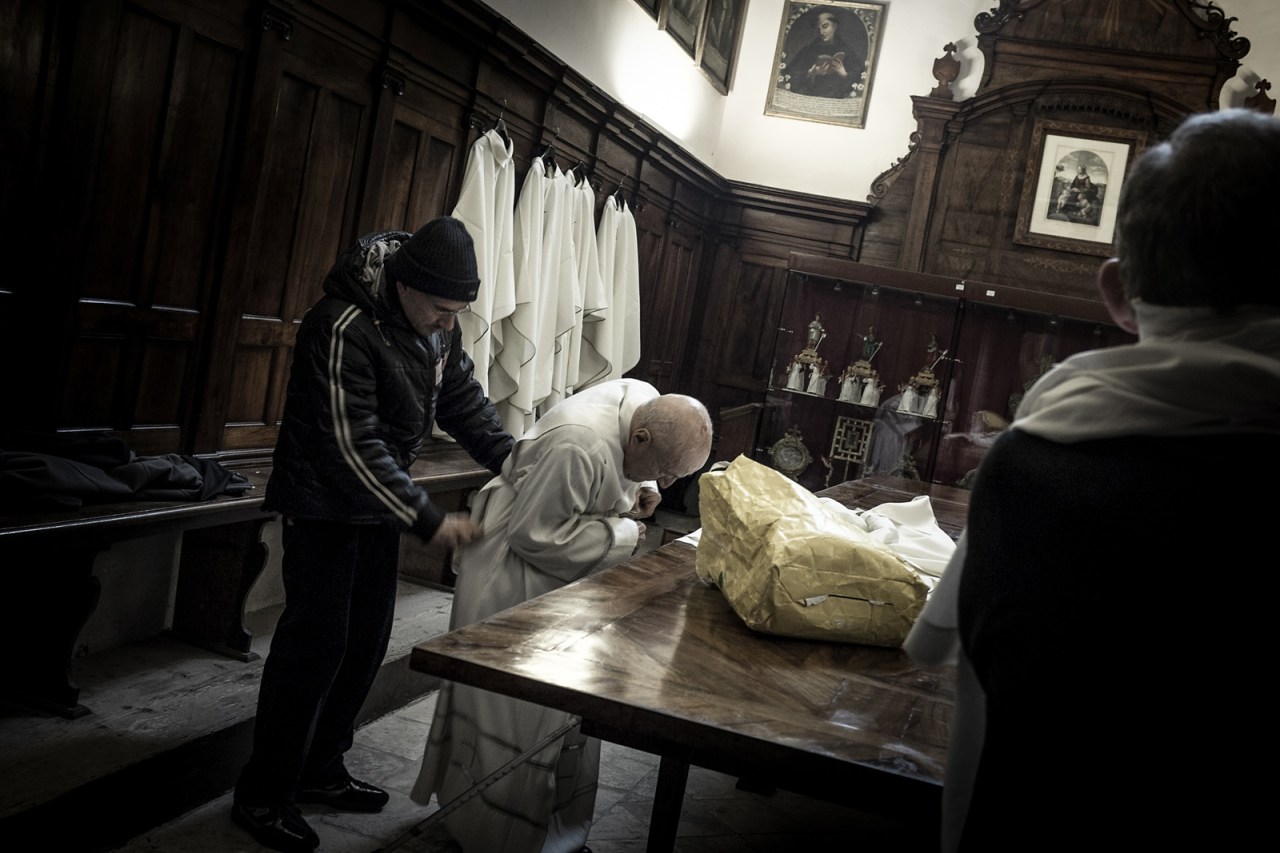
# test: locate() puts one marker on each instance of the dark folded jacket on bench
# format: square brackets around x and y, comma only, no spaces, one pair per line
[41,472]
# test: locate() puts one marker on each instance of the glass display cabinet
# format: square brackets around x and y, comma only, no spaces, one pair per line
[885,371]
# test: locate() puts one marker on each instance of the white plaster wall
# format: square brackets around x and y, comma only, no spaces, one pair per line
[617,46]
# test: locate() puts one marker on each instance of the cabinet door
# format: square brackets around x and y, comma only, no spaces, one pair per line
[858,374]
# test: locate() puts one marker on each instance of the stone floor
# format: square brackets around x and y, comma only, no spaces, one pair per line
[717,817]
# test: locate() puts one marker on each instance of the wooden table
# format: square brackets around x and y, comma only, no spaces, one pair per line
[650,658]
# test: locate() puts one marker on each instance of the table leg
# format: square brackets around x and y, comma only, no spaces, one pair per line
[668,800]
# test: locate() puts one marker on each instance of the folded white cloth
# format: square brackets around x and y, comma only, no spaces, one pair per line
[908,529]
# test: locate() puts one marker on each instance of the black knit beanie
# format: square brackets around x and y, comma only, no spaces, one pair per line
[439,259]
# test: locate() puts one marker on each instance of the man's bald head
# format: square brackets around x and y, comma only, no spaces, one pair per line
[670,438]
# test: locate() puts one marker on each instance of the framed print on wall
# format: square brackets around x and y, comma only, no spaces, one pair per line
[682,19]
[720,38]
[1072,186]
[825,61]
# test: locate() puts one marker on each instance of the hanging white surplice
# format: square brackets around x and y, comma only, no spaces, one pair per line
[618,334]
[519,329]
[486,206]
[599,332]
[593,353]
[626,291]
[562,294]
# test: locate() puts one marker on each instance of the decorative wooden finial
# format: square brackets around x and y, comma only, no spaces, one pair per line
[945,70]
[1260,101]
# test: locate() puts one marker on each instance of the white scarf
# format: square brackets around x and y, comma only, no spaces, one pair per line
[1192,372]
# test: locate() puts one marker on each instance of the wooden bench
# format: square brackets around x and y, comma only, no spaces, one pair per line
[50,591]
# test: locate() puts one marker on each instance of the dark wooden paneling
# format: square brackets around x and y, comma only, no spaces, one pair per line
[217,156]
[88,398]
[666,308]
[310,191]
[415,193]
[152,203]
[738,330]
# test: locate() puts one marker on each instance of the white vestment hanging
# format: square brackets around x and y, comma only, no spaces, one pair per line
[486,206]
[520,328]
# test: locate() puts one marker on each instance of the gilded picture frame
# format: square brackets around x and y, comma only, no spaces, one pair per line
[1072,186]
[825,61]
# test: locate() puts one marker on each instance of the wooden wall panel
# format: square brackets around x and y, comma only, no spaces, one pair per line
[425,161]
[219,154]
[192,174]
[317,149]
[153,202]
[414,194]
[255,367]
[163,371]
[432,188]
[666,309]
[402,164]
[734,351]
[26,30]
[282,193]
[86,401]
[129,148]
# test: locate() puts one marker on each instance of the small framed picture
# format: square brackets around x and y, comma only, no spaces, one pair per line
[1072,186]
[682,19]
[825,61]
[720,38]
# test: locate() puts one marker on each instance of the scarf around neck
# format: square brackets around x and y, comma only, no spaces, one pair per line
[1192,372]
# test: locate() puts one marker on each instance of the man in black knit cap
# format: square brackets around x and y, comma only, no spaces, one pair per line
[377,360]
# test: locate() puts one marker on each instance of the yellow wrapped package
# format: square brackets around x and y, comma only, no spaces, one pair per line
[790,564]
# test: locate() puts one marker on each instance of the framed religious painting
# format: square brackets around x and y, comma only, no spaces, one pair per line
[825,61]
[682,19]
[720,38]
[1072,186]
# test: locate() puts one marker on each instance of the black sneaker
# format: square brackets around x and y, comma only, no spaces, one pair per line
[280,828]
[349,795]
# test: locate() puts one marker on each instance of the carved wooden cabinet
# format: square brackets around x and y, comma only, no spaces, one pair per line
[877,370]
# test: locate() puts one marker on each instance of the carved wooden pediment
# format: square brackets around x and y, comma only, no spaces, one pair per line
[1184,48]
[1120,73]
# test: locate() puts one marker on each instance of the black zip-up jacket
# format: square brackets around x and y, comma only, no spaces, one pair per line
[363,393]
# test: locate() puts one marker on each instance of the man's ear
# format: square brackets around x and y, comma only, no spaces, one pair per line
[641,436]
[1118,305]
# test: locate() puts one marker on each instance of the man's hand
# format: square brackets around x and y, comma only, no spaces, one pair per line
[646,502]
[640,540]
[457,529]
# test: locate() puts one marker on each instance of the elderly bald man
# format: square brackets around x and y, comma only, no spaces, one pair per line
[564,506]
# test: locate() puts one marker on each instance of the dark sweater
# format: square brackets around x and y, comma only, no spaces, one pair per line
[1109,606]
